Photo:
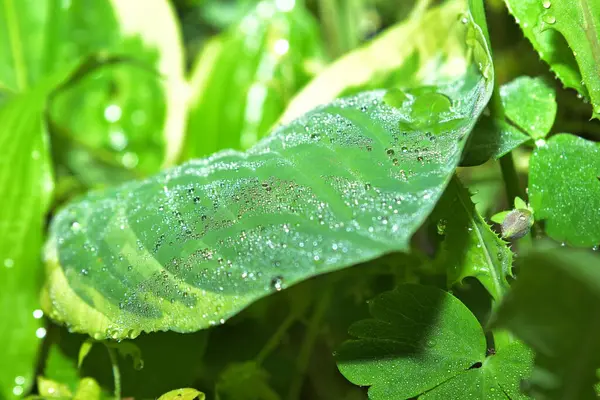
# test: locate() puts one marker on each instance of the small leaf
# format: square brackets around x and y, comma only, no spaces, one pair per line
[564,189]
[565,34]
[554,307]
[470,247]
[530,103]
[423,340]
[183,394]
[244,381]
[84,350]
[128,348]
[520,203]
[499,217]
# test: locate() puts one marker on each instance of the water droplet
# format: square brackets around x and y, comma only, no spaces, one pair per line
[112,113]
[281,47]
[130,160]
[277,283]
[40,333]
[430,343]
[546,4]
[549,19]
[84,272]
[75,226]
[37,314]
[9,262]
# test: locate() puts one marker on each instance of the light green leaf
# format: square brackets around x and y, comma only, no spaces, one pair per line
[88,389]
[84,350]
[564,189]
[530,103]
[434,53]
[566,35]
[470,247]
[554,308]
[244,381]
[243,80]
[183,394]
[423,340]
[124,120]
[194,245]
[53,390]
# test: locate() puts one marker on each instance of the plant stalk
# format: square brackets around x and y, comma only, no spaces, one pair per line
[112,353]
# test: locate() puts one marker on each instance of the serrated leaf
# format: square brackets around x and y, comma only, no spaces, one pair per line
[566,35]
[243,79]
[244,381]
[530,103]
[470,247]
[554,308]
[564,189]
[424,341]
[435,52]
[183,394]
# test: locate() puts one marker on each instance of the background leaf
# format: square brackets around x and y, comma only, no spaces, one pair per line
[553,307]
[434,53]
[191,247]
[425,341]
[242,80]
[564,189]
[565,34]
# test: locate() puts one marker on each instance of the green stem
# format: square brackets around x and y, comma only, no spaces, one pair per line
[112,353]
[275,339]
[308,344]
[512,185]
[328,13]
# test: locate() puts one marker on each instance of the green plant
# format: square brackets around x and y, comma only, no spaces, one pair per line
[420,160]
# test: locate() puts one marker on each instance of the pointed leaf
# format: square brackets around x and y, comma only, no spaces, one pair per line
[564,189]
[470,247]
[192,246]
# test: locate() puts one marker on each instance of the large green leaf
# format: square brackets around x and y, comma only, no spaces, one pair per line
[555,308]
[243,80]
[564,189]
[566,35]
[470,247]
[424,341]
[124,120]
[192,246]
[427,47]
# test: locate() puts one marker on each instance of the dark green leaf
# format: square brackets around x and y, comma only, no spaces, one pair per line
[554,307]
[470,247]
[244,381]
[564,189]
[566,36]
[423,340]
[243,80]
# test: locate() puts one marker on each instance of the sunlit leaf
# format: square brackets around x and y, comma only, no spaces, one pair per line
[470,247]
[242,81]
[88,389]
[566,35]
[424,49]
[52,390]
[194,245]
[564,189]
[183,394]
[125,120]
[554,308]
[424,341]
